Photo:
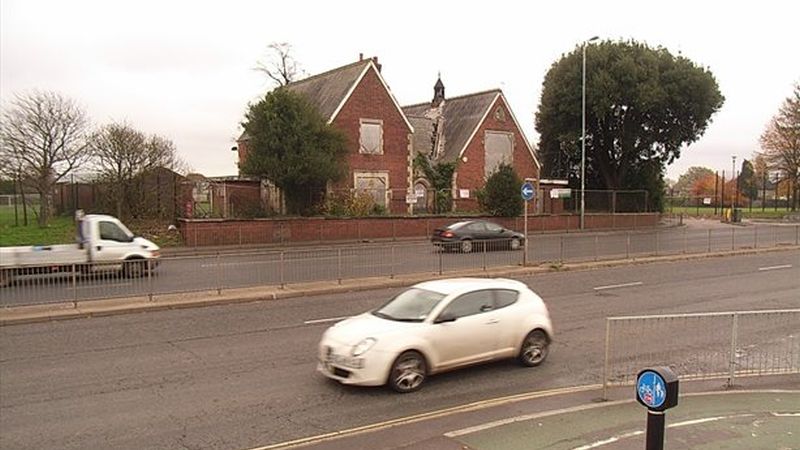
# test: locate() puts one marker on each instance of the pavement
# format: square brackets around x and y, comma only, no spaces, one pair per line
[757,413]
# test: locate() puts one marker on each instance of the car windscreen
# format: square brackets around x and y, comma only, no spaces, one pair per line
[412,305]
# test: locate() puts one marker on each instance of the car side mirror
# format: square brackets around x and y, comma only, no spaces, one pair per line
[445,317]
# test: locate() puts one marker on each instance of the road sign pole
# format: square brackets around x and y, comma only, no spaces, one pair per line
[528,193]
[655,430]
[525,241]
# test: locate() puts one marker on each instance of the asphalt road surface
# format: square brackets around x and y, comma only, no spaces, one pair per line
[240,268]
[243,375]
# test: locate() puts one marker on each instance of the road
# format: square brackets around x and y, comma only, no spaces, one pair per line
[253,267]
[243,375]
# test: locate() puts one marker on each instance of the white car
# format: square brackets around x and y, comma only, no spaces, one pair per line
[437,326]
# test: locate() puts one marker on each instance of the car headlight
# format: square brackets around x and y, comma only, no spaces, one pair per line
[362,347]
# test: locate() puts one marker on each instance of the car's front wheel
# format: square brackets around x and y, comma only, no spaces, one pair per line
[514,244]
[408,372]
[534,348]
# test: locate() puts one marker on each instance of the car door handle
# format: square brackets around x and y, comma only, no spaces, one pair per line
[99,247]
[492,321]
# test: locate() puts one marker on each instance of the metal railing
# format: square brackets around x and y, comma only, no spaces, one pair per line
[249,268]
[703,346]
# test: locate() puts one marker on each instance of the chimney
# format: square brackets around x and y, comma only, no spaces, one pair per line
[375,60]
[360,56]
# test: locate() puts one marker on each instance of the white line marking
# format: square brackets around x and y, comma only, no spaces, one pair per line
[610,440]
[332,319]
[785,414]
[615,286]
[475,406]
[629,434]
[581,408]
[785,266]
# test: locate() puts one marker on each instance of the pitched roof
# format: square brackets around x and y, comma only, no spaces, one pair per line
[328,90]
[422,140]
[462,116]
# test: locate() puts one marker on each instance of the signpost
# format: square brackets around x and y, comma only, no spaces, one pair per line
[656,389]
[528,193]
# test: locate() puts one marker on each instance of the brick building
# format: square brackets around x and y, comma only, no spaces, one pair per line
[476,131]
[356,99]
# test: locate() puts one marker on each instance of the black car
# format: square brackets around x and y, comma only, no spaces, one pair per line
[471,235]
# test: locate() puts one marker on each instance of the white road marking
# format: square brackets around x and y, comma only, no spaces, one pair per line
[629,434]
[785,266]
[332,319]
[475,406]
[797,414]
[610,440]
[615,286]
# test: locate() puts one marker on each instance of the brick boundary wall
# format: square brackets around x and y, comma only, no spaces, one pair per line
[210,232]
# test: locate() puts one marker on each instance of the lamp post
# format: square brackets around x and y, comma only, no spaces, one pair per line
[583,134]
[734,185]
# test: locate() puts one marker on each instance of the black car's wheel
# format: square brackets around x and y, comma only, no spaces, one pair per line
[514,243]
[534,348]
[466,246]
[6,277]
[408,372]
[135,268]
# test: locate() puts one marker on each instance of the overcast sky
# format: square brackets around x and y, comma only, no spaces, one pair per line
[184,70]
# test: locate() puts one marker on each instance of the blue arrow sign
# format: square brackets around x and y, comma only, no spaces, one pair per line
[651,389]
[528,192]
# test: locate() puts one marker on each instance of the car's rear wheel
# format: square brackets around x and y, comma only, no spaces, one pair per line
[534,349]
[408,372]
[466,246]
[514,244]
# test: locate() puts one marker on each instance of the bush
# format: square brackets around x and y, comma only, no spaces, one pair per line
[353,204]
[501,195]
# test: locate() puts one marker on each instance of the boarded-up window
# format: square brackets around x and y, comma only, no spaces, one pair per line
[499,149]
[375,184]
[371,137]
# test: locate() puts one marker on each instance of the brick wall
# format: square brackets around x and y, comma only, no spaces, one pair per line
[209,232]
[470,174]
[370,100]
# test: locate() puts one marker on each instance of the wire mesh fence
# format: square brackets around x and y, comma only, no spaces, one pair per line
[280,267]
[703,346]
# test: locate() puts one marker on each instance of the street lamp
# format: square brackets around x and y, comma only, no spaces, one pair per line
[734,185]
[583,134]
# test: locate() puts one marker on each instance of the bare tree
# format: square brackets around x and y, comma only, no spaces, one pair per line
[44,136]
[123,154]
[780,143]
[280,67]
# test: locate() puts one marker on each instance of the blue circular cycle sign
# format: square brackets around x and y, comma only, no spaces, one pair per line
[651,389]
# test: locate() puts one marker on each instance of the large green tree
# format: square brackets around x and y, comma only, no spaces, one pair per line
[291,145]
[643,105]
